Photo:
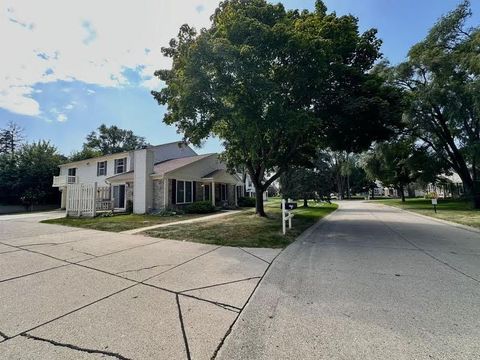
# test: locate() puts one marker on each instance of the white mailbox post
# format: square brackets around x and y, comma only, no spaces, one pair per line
[287,215]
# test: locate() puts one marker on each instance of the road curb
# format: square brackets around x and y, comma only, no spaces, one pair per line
[445,222]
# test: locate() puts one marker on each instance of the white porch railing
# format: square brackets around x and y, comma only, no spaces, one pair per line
[64,180]
[87,199]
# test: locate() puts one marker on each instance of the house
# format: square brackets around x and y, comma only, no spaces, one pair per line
[250,189]
[170,175]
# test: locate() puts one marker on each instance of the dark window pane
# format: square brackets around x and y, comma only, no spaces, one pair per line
[188,191]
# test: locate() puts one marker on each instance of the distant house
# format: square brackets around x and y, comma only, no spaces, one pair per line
[170,175]
[250,189]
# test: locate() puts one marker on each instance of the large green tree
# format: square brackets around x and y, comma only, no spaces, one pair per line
[109,140]
[442,81]
[274,85]
[26,176]
[401,162]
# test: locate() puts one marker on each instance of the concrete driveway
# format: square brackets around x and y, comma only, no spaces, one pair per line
[370,282]
[69,293]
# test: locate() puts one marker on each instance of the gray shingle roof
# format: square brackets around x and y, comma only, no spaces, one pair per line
[174,164]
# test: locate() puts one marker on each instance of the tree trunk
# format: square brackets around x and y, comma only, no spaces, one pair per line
[305,202]
[373,194]
[259,210]
[474,193]
[348,187]
[402,193]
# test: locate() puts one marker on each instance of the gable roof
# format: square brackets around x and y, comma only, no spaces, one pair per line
[167,166]
[124,153]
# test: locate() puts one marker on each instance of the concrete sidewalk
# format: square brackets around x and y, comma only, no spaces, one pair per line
[71,293]
[371,282]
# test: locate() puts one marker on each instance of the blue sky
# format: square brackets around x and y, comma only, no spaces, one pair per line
[70,70]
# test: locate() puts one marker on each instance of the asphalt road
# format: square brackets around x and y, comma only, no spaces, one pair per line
[370,282]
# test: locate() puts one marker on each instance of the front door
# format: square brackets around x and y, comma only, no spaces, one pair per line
[119,196]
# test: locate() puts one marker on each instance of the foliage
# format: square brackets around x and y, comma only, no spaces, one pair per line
[129,207]
[110,140]
[442,82]
[274,84]
[85,153]
[200,207]
[399,163]
[26,176]
[11,138]
[246,201]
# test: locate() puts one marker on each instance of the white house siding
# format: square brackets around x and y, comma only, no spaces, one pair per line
[143,200]
[87,170]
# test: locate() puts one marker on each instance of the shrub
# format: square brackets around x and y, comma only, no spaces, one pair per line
[200,207]
[246,202]
[431,195]
[129,207]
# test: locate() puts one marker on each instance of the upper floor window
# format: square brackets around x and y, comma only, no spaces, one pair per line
[120,165]
[72,176]
[101,168]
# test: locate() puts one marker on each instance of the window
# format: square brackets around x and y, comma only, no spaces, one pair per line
[101,168]
[223,192]
[120,165]
[72,176]
[184,191]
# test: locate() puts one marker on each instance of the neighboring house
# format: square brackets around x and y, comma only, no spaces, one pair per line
[250,189]
[164,176]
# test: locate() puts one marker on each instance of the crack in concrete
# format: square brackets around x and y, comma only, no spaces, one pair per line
[144,268]
[241,310]
[4,336]
[255,256]
[74,347]
[40,244]
[182,326]
[219,284]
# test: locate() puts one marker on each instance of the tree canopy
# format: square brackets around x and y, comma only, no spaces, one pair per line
[109,140]
[275,85]
[441,79]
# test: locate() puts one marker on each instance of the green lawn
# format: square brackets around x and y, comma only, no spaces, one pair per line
[453,210]
[247,229]
[119,223]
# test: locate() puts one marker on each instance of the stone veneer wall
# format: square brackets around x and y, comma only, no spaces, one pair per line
[158,193]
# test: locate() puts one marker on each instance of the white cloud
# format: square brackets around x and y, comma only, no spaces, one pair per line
[86,40]
[62,118]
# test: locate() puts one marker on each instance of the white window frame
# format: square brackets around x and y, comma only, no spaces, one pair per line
[104,168]
[184,182]
[74,171]
[124,166]
[124,197]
